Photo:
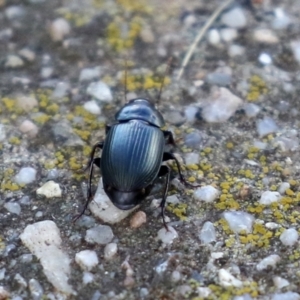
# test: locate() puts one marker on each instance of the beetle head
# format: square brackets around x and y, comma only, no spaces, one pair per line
[140,109]
[126,200]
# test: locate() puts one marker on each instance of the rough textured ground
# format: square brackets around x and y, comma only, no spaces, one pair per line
[39,82]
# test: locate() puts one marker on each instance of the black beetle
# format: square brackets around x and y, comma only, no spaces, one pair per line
[132,156]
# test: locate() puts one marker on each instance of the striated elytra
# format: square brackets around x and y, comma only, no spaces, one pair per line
[132,156]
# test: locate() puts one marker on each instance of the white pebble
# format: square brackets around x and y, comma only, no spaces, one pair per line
[25,176]
[89,74]
[61,90]
[272,225]
[190,114]
[13,207]
[100,234]
[236,50]
[213,37]
[280,282]
[59,28]
[173,199]
[270,260]
[29,128]
[110,250]
[265,59]
[192,158]
[46,72]
[49,189]
[86,259]
[207,233]
[221,106]
[206,193]
[36,290]
[235,18]
[100,91]
[239,220]
[2,133]
[167,236]
[281,20]
[269,197]
[283,187]
[26,102]
[243,297]
[28,54]
[251,110]
[13,61]
[92,107]
[227,280]
[266,126]
[228,34]
[203,292]
[286,296]
[87,278]
[266,36]
[295,45]
[289,237]
[43,240]
[175,276]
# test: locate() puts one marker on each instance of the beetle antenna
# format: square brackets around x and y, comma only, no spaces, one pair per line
[163,79]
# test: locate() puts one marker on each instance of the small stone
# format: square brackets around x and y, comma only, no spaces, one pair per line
[239,221]
[206,193]
[4,294]
[26,258]
[280,282]
[243,297]
[269,261]
[288,141]
[50,189]
[147,34]
[221,106]
[251,110]
[100,91]
[193,140]
[184,290]
[192,158]
[100,234]
[92,107]
[286,296]
[272,225]
[190,114]
[236,50]
[266,126]
[173,199]
[61,90]
[175,117]
[2,133]
[175,276]
[43,240]
[36,290]
[208,233]
[20,280]
[25,176]
[227,280]
[59,29]
[14,12]
[283,187]
[13,207]
[265,36]
[29,128]
[265,59]
[89,74]
[2,273]
[281,20]
[289,237]
[203,292]
[28,54]
[46,72]
[235,18]
[26,103]
[128,282]
[228,34]
[269,197]
[213,37]
[138,219]
[218,78]
[87,278]
[110,250]
[295,46]
[144,292]
[167,236]
[13,61]
[86,259]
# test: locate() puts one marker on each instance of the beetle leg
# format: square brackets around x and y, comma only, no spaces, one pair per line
[169,136]
[107,128]
[168,156]
[92,159]
[164,170]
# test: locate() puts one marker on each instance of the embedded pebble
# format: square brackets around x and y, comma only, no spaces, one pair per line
[144,292]
[243,297]
[102,208]
[20,280]
[59,28]
[266,126]
[50,189]
[269,197]
[184,290]
[227,280]
[175,117]
[228,34]
[100,91]
[2,133]
[46,72]
[110,250]
[61,90]
[173,199]
[14,12]
[86,259]
[239,220]
[92,107]
[236,50]
[286,296]
[192,158]
[280,282]
[281,19]
[36,290]
[138,219]
[13,61]
[207,233]
[89,74]
[265,59]
[28,54]
[213,37]
[206,193]
[289,237]
[167,237]
[295,45]
[193,139]
[221,106]
[29,128]
[235,18]
[190,114]
[288,141]
[218,78]
[100,234]
[13,207]
[203,292]
[266,36]
[269,261]
[44,241]
[25,176]
[26,102]
[283,187]
[4,294]
[87,278]
[2,273]
[251,110]
[175,276]
[272,225]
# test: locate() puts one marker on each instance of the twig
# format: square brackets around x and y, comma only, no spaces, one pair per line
[200,35]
